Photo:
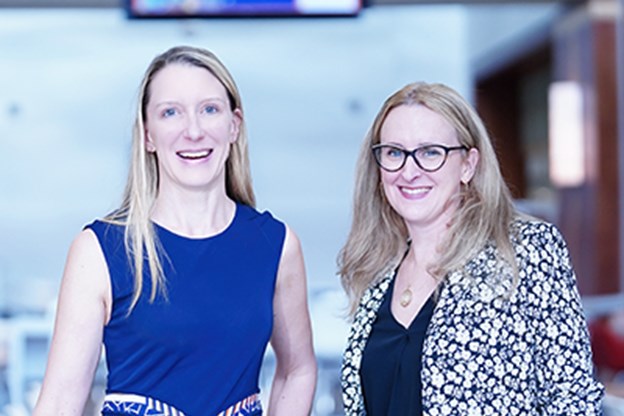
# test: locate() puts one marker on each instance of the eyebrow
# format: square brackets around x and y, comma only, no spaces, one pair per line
[211,99]
[428,143]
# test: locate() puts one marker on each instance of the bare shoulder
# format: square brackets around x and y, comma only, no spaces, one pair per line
[291,263]
[86,270]
[85,252]
[85,244]
[292,244]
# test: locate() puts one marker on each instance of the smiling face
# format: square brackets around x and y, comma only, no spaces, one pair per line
[190,126]
[424,199]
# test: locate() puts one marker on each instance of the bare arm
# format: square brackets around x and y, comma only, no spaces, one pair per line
[295,374]
[83,308]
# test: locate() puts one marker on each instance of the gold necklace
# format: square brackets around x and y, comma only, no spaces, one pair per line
[406,297]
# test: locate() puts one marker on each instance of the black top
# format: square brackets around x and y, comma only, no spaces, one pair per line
[392,361]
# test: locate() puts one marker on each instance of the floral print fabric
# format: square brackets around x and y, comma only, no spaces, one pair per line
[487,353]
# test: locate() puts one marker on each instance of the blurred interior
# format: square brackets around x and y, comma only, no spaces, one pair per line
[546,76]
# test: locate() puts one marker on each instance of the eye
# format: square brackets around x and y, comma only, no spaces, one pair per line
[168,112]
[210,109]
[393,152]
[431,152]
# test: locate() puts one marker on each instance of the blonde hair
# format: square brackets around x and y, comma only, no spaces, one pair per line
[378,236]
[142,184]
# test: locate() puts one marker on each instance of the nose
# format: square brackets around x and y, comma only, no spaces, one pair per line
[194,130]
[411,169]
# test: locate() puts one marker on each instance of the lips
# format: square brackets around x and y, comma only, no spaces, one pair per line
[194,154]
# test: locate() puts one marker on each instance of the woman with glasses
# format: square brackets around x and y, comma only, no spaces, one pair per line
[460,305]
[186,282]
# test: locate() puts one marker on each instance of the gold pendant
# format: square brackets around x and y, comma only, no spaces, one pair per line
[406,297]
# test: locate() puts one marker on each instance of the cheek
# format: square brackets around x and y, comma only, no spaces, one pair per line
[450,185]
[154,141]
[219,131]
[388,178]
[157,133]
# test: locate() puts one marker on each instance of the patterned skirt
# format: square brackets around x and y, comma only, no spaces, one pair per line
[116,404]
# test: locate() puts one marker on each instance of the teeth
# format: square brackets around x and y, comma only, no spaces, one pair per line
[194,155]
[414,191]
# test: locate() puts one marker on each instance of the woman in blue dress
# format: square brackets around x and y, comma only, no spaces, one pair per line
[186,283]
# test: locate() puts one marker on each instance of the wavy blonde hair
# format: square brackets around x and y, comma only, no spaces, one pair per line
[142,184]
[378,237]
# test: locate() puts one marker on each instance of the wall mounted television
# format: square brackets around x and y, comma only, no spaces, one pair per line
[241,8]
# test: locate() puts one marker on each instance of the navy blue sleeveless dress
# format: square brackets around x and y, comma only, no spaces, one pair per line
[199,350]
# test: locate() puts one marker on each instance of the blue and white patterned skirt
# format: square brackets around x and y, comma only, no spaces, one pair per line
[117,404]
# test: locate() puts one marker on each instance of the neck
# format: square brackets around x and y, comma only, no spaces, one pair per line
[193,213]
[426,239]
[420,256]
[427,236]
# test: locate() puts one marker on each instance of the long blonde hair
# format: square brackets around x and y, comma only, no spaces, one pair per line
[142,184]
[378,236]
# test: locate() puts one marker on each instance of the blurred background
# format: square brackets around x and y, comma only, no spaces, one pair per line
[546,76]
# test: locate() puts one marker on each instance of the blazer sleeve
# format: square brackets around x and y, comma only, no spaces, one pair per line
[566,385]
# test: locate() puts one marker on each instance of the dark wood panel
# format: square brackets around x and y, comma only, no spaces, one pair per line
[608,224]
[497,103]
[589,214]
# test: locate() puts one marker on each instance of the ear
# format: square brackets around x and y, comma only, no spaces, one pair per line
[469,167]
[237,119]
[149,144]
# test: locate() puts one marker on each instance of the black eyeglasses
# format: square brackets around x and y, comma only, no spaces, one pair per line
[429,158]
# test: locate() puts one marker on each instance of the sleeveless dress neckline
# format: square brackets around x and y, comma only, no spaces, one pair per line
[228,227]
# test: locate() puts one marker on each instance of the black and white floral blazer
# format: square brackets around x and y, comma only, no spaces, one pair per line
[490,354]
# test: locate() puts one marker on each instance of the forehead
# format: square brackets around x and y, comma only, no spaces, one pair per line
[176,81]
[416,124]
